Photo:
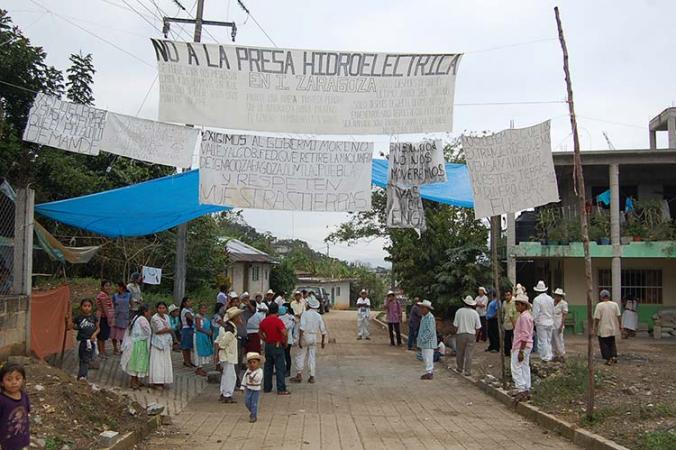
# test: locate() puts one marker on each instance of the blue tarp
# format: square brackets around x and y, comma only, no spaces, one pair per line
[137,210]
[457,191]
[160,204]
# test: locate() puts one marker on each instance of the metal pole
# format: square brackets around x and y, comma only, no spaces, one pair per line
[182,229]
[580,188]
[495,237]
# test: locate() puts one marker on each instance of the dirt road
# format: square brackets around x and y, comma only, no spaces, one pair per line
[368,396]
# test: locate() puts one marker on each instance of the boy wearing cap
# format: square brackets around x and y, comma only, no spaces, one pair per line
[606,326]
[311,325]
[468,324]
[253,377]
[521,347]
[560,313]
[363,315]
[227,356]
[427,338]
[393,310]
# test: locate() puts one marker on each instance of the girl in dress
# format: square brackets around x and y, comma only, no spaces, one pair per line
[161,372]
[204,346]
[630,318]
[136,347]
[186,331]
[121,301]
[106,315]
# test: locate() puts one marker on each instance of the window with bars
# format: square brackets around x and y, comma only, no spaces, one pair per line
[255,273]
[645,284]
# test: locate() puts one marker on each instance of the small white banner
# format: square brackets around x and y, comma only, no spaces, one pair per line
[511,170]
[405,208]
[147,140]
[64,125]
[151,275]
[262,172]
[305,91]
[415,164]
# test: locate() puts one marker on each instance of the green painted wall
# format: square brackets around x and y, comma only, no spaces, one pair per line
[645,314]
[647,249]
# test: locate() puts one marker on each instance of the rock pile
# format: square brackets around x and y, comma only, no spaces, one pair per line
[665,323]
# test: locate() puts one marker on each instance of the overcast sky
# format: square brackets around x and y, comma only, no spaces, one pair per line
[621,56]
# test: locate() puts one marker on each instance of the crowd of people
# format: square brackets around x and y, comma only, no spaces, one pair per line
[235,337]
[528,326]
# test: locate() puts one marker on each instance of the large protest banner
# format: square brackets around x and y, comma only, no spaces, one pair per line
[511,170]
[415,164]
[404,208]
[64,125]
[305,91]
[288,174]
[147,140]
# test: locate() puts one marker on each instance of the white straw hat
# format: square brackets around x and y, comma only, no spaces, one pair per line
[560,292]
[469,301]
[426,303]
[541,287]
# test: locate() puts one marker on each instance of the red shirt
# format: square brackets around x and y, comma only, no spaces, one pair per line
[273,327]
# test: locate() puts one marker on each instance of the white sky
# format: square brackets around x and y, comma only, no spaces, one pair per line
[620,55]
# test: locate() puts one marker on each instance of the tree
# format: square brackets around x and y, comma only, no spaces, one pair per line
[80,79]
[283,277]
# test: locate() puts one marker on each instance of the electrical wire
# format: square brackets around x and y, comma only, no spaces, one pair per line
[248,13]
[91,33]
[142,16]
[117,5]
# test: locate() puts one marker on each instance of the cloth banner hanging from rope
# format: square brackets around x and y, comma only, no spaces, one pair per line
[511,170]
[285,174]
[65,125]
[415,164]
[151,275]
[404,208]
[150,141]
[305,91]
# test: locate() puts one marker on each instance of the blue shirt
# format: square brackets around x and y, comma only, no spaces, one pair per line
[427,334]
[492,310]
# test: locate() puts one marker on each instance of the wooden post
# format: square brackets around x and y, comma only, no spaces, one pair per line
[580,187]
[495,237]
[23,252]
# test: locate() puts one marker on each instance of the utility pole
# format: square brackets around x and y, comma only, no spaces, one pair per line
[182,229]
[496,231]
[578,182]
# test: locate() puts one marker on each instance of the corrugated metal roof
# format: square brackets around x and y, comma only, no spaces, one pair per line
[241,252]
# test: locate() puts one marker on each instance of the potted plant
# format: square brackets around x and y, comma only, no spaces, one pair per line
[601,220]
[574,231]
[635,228]
[547,218]
[664,231]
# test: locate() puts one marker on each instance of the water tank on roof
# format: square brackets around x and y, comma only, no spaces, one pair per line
[526,226]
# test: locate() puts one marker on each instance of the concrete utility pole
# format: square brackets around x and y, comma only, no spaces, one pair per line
[182,229]
[496,231]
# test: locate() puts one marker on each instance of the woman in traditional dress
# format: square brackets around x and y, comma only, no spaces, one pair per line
[204,346]
[161,371]
[135,348]
[121,301]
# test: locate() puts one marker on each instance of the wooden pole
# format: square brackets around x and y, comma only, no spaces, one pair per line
[579,183]
[495,237]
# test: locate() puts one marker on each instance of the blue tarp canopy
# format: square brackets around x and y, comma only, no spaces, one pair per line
[136,210]
[157,205]
[457,191]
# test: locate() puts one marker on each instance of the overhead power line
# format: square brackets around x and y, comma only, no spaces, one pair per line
[260,27]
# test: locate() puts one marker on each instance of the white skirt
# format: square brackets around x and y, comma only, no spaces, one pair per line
[161,370]
[630,320]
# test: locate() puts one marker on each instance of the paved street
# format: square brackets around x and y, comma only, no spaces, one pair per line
[368,396]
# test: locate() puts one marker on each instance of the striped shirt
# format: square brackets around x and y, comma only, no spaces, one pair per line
[427,334]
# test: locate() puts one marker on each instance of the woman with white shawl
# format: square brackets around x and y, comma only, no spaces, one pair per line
[161,370]
[135,347]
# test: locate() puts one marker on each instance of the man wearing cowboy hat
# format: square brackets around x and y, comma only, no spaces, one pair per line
[468,323]
[481,306]
[427,338]
[543,316]
[227,355]
[269,296]
[522,346]
[298,304]
[311,325]
[393,317]
[560,313]
[363,315]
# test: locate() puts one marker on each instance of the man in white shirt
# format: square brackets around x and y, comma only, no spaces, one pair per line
[311,325]
[543,317]
[606,326]
[363,316]
[269,297]
[560,314]
[222,297]
[481,305]
[280,300]
[467,323]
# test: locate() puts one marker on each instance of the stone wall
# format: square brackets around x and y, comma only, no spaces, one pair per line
[13,313]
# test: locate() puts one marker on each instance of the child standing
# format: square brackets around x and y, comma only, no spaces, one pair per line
[226,344]
[87,326]
[187,330]
[253,377]
[14,408]
[204,346]
[121,301]
[521,348]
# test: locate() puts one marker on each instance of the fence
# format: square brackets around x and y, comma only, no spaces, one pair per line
[7,216]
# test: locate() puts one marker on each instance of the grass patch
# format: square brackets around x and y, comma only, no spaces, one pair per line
[568,385]
[637,412]
[658,440]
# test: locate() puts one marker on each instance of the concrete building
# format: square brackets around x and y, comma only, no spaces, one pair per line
[249,268]
[337,289]
[645,269]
